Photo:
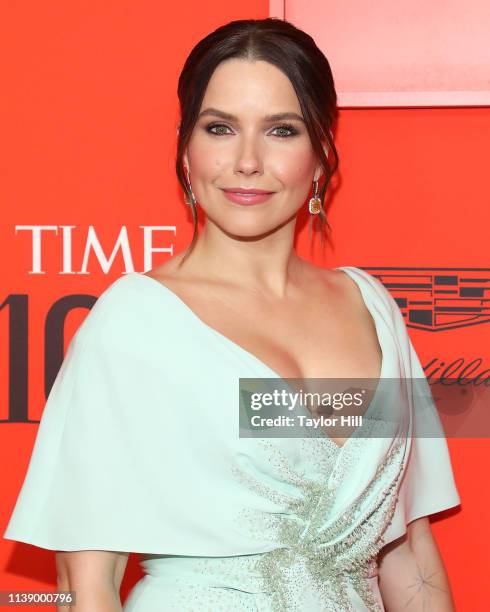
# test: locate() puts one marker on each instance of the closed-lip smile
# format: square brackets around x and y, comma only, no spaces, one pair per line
[247,196]
[245,191]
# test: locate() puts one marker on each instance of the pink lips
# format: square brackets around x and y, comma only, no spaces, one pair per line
[247,196]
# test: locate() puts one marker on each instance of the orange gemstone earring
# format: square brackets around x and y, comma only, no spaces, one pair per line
[315,204]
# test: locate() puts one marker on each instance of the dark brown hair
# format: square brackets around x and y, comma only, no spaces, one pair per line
[288,48]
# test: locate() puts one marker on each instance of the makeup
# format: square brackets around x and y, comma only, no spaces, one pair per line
[247,197]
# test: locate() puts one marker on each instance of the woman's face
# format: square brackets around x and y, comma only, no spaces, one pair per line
[236,145]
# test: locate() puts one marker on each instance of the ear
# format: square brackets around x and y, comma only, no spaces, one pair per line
[319,168]
[318,173]
[185,161]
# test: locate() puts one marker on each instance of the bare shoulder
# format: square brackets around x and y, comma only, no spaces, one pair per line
[340,287]
[352,294]
[167,271]
[348,307]
[177,280]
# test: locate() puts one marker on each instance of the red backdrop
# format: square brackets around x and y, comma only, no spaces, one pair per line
[89,125]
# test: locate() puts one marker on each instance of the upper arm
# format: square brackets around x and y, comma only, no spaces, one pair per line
[91,566]
[406,544]
[411,571]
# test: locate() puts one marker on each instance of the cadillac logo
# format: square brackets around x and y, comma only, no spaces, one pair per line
[435,299]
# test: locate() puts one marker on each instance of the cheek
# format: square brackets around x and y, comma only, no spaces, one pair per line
[294,167]
[208,171]
[205,162]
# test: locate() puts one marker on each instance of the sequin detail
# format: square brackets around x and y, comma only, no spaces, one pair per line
[318,563]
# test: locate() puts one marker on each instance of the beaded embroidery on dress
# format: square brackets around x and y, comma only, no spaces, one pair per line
[328,538]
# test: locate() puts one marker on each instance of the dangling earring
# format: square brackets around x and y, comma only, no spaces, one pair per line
[315,204]
[193,198]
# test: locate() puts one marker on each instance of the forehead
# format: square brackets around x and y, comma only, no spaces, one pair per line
[244,85]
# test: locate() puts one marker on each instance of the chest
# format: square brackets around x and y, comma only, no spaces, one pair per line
[321,337]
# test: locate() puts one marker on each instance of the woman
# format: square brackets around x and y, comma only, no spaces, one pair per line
[138,449]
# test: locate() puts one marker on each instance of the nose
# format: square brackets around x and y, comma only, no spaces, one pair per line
[248,155]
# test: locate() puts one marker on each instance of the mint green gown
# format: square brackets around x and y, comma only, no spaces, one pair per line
[138,450]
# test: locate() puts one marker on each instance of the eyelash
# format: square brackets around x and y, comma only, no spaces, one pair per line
[284,126]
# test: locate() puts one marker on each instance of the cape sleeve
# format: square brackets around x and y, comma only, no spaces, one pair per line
[428,484]
[114,465]
[75,495]
[139,438]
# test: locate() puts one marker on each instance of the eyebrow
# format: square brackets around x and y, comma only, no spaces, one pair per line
[228,117]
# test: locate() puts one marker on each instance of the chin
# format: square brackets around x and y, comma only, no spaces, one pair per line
[250,228]
[248,222]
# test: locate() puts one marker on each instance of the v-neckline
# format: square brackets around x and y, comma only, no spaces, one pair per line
[161,286]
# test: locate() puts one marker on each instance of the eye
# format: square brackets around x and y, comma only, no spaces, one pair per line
[289,129]
[219,127]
